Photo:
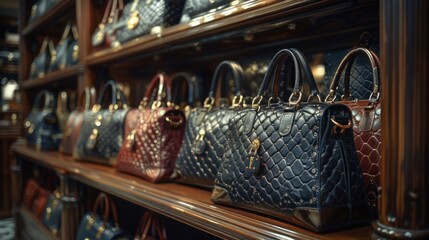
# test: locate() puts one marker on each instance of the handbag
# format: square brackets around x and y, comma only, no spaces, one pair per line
[9,57]
[66,53]
[62,111]
[94,226]
[40,201]
[102,129]
[30,192]
[40,7]
[40,65]
[293,160]
[104,35]
[205,135]
[140,17]
[193,8]
[150,227]
[52,214]
[154,135]
[192,91]
[74,121]
[366,121]
[41,125]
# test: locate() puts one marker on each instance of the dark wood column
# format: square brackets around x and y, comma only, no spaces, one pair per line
[404,203]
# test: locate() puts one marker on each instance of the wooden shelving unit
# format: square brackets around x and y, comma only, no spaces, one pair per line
[33,226]
[56,77]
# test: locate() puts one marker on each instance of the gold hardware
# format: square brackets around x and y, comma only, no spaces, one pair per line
[133,21]
[174,123]
[53,56]
[339,125]
[48,213]
[131,139]
[27,124]
[96,108]
[273,100]
[236,101]
[30,129]
[156,105]
[33,10]
[200,136]
[297,101]
[94,134]
[75,54]
[256,101]
[91,221]
[331,96]
[98,120]
[212,1]
[208,103]
[317,96]
[100,231]
[254,146]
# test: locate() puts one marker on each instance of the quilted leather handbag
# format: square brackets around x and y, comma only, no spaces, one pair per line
[154,135]
[103,129]
[104,35]
[52,214]
[74,121]
[140,17]
[205,136]
[30,193]
[193,8]
[40,65]
[150,227]
[366,121]
[95,226]
[41,125]
[66,53]
[293,160]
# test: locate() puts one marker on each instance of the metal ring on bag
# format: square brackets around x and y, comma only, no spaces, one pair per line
[256,101]
[317,96]
[273,100]
[235,102]
[339,125]
[297,101]
[208,103]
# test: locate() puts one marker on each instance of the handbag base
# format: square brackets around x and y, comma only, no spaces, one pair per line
[322,220]
[103,161]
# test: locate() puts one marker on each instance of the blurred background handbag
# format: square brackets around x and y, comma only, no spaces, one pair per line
[366,120]
[150,227]
[66,53]
[40,65]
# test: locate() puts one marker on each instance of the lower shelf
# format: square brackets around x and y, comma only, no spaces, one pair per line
[30,227]
[186,204]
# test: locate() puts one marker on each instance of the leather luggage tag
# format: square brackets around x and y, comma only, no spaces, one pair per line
[252,163]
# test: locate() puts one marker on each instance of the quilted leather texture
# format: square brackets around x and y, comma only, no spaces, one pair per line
[91,223]
[52,214]
[162,13]
[71,135]
[42,129]
[196,7]
[201,168]
[153,151]
[361,83]
[367,141]
[306,171]
[110,135]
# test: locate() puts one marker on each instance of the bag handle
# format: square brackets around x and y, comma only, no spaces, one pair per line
[75,32]
[66,33]
[49,100]
[183,77]
[44,46]
[150,221]
[88,96]
[117,94]
[108,205]
[163,83]
[220,72]
[300,67]
[347,62]
[62,102]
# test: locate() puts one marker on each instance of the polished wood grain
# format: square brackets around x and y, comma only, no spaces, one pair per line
[56,77]
[186,204]
[404,205]
[48,17]
[31,227]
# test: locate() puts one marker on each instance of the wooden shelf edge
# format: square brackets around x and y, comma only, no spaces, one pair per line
[40,231]
[48,16]
[53,77]
[185,32]
[183,203]
[13,69]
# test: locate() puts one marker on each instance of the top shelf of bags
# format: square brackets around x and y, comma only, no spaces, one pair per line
[247,18]
[48,16]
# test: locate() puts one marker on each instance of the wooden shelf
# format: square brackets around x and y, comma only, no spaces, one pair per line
[53,77]
[32,228]
[12,69]
[48,17]
[183,203]
[8,44]
[262,13]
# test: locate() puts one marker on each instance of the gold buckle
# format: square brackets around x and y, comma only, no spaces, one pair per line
[256,101]
[339,125]
[174,123]
[236,101]
[208,103]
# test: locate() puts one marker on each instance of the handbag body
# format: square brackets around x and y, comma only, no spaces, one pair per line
[205,135]
[66,53]
[41,125]
[40,65]
[154,135]
[52,214]
[293,160]
[102,129]
[366,121]
[105,33]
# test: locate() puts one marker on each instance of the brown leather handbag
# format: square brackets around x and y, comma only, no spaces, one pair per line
[366,121]
[40,201]
[150,227]
[74,121]
[154,135]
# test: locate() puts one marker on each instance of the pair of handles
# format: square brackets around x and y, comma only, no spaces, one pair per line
[49,101]
[109,205]
[116,97]
[150,226]
[220,77]
[111,13]
[70,27]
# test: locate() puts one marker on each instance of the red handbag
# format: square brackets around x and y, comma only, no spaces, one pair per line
[40,202]
[74,121]
[153,135]
[150,227]
[30,193]
[366,121]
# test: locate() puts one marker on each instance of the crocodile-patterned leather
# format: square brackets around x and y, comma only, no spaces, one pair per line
[195,7]
[41,125]
[155,13]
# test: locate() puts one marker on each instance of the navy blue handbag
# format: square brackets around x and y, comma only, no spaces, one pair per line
[41,125]
[52,215]
[293,160]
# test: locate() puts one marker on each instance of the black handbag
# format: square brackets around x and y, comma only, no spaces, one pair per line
[193,8]
[102,129]
[40,7]
[178,80]
[104,35]
[205,136]
[66,53]
[140,17]
[40,65]
[293,160]
[41,125]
